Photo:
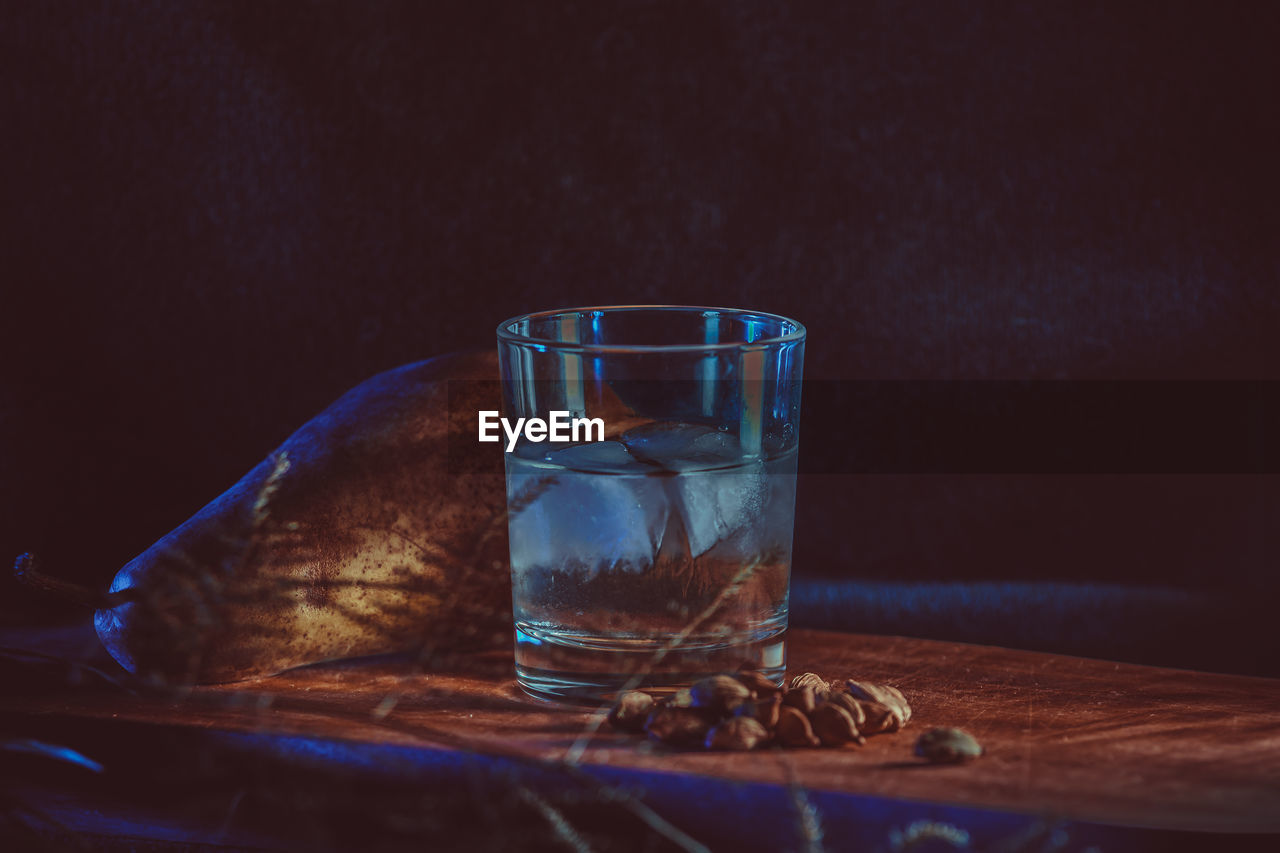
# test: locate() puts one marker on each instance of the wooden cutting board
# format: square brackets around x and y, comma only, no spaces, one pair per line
[1072,738]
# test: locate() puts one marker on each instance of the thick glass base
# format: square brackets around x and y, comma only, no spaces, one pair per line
[594,670]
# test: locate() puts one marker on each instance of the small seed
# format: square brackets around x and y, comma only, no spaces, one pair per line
[808,679]
[833,725]
[677,726]
[631,711]
[813,680]
[793,729]
[878,719]
[764,711]
[757,682]
[682,698]
[719,694]
[845,700]
[801,698]
[890,697]
[736,733]
[948,746]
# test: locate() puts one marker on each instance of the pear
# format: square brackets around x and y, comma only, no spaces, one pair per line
[378,526]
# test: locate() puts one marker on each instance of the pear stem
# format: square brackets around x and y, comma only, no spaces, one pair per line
[27,573]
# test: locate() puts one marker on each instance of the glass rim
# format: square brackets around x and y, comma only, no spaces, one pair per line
[506,335]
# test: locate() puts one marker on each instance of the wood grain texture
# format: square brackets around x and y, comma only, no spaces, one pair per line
[1068,737]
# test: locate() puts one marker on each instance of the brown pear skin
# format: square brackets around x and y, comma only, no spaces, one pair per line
[371,529]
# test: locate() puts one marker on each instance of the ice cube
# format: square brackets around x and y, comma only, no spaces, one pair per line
[717,492]
[675,446]
[569,518]
[719,503]
[610,456]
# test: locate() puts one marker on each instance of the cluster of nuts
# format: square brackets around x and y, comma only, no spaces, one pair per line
[745,710]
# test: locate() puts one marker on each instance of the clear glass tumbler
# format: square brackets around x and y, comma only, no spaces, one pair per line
[651,540]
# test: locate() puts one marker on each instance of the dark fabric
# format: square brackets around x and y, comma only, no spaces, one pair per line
[1152,624]
[220,216]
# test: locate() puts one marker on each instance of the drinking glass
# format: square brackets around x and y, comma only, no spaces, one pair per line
[651,512]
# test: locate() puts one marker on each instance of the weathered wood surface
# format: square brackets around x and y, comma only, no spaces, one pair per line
[1073,738]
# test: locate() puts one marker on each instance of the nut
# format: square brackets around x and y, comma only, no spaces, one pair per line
[800,698]
[813,680]
[677,726]
[737,733]
[631,711]
[793,729]
[757,682]
[682,698]
[890,698]
[879,719]
[948,746]
[745,709]
[719,694]
[764,711]
[834,726]
[845,700]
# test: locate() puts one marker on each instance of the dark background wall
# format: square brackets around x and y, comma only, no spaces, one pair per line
[218,217]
